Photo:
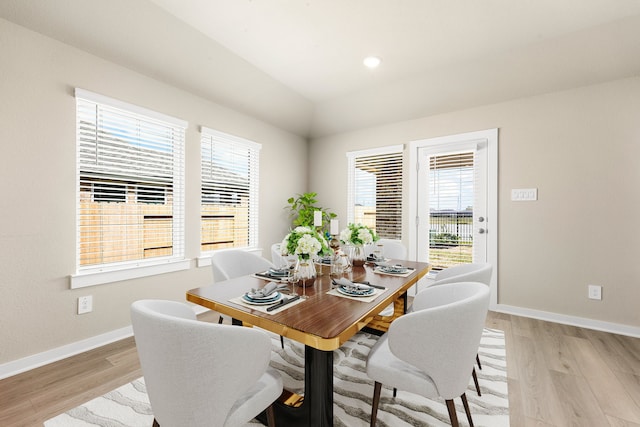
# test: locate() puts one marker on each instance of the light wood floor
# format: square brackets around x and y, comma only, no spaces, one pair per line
[558,376]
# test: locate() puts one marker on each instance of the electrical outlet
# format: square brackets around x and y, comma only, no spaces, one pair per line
[85,304]
[595,292]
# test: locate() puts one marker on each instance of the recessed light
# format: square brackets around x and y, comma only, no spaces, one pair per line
[371,61]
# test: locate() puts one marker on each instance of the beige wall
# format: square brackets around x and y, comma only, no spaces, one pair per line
[581,149]
[37,170]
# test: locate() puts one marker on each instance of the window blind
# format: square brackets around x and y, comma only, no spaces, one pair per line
[375,190]
[130,174]
[230,170]
[452,179]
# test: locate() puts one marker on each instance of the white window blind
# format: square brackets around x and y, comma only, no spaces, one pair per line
[375,190]
[130,169]
[452,178]
[230,171]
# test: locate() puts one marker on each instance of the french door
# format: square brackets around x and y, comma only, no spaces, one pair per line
[454,202]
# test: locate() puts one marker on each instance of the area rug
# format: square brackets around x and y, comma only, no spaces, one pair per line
[128,406]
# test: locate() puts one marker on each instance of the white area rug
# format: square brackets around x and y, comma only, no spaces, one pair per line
[128,406]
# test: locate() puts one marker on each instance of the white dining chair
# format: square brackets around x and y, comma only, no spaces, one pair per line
[189,376]
[474,272]
[229,264]
[396,250]
[276,256]
[431,351]
[232,263]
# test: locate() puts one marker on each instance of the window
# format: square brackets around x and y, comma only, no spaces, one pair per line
[229,195]
[375,190]
[130,168]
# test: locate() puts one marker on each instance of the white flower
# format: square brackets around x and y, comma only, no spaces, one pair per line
[365,235]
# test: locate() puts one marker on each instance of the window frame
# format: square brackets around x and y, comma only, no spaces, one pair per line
[97,274]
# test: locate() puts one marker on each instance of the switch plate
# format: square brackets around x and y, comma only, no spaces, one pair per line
[85,304]
[595,292]
[524,194]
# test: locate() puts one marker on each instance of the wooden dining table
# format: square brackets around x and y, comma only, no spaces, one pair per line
[322,322]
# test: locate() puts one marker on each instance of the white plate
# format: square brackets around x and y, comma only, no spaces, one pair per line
[394,270]
[262,301]
[345,292]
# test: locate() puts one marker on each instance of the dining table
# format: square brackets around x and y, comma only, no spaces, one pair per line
[322,321]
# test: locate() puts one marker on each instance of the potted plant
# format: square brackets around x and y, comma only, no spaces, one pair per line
[302,210]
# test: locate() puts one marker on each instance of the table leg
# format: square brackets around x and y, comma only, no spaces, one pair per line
[317,408]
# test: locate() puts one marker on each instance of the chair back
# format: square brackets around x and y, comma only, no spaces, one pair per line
[441,336]
[228,264]
[474,272]
[276,255]
[190,378]
[393,249]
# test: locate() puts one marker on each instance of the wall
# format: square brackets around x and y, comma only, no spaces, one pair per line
[37,169]
[580,148]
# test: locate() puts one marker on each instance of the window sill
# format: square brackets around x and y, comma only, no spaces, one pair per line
[101,277]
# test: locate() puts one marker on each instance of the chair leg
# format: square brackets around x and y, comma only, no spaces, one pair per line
[475,380]
[395,392]
[155,423]
[271,418]
[282,341]
[374,405]
[478,360]
[466,409]
[220,320]
[452,413]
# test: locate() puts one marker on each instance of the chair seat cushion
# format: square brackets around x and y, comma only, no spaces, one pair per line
[266,390]
[387,369]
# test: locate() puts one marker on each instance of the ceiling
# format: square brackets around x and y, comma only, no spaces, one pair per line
[297,64]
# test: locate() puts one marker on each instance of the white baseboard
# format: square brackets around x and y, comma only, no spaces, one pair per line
[35,361]
[598,325]
[15,367]
[31,362]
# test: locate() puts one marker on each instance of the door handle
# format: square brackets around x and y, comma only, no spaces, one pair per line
[480,219]
[481,231]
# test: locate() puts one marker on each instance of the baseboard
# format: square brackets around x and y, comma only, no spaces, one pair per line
[598,325]
[31,362]
[35,361]
[16,367]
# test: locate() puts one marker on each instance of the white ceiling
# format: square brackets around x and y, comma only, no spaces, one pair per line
[298,64]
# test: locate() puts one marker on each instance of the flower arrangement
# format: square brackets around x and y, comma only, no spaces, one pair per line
[358,235]
[304,242]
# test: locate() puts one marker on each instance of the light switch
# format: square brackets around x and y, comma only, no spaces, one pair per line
[524,194]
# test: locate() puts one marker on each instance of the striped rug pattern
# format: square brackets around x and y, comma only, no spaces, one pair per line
[128,406]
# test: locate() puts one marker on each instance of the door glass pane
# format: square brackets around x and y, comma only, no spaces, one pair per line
[451,198]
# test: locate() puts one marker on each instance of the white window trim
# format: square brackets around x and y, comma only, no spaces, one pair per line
[92,276]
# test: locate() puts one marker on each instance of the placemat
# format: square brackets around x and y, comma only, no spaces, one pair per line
[370,298]
[263,308]
[408,273]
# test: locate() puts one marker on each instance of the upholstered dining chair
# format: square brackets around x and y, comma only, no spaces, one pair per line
[276,255]
[190,378]
[394,249]
[474,272]
[431,350]
[229,264]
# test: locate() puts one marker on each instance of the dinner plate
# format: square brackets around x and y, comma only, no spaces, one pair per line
[278,273]
[363,293]
[394,270]
[262,301]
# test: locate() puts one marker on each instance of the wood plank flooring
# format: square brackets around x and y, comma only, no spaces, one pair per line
[558,376]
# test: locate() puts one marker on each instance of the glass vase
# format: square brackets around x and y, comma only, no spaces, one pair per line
[358,256]
[306,274]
